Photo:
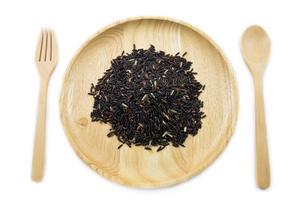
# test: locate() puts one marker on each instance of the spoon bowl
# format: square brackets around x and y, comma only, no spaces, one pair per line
[255,48]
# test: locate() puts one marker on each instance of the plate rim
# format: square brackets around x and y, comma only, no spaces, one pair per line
[210,158]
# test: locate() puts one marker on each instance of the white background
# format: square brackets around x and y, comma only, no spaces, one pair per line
[231,176]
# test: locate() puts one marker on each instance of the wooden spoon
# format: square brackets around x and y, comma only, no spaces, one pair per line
[255,48]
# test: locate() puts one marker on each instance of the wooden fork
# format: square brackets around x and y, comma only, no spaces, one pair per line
[46,60]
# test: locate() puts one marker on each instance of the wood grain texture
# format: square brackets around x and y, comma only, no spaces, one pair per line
[262,152]
[256,47]
[136,166]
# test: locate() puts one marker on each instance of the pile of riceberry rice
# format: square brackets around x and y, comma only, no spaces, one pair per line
[150,98]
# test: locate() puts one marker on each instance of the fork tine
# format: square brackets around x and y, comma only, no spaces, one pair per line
[48,56]
[50,42]
[44,46]
[54,52]
[38,53]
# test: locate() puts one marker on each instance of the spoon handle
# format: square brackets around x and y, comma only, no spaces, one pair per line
[262,154]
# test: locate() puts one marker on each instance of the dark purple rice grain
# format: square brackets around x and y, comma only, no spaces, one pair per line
[148,148]
[150,98]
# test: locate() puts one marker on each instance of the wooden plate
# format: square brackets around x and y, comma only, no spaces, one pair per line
[136,166]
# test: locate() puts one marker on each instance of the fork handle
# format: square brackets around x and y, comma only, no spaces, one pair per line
[40,135]
[262,153]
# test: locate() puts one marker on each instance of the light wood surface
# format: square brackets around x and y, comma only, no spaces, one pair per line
[46,60]
[255,48]
[136,166]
